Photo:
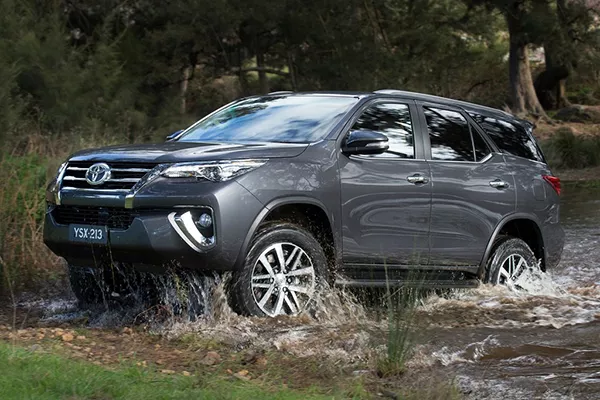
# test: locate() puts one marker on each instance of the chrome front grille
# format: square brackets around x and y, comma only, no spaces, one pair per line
[124,175]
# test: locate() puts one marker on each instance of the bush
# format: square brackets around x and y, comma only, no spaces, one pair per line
[24,259]
[565,150]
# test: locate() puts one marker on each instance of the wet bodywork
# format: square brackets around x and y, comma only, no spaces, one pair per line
[381,225]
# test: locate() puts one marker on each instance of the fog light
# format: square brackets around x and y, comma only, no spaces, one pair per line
[205,220]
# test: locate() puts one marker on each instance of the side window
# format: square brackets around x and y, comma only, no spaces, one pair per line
[393,120]
[509,138]
[479,145]
[449,135]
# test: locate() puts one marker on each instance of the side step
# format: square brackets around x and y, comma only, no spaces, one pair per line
[426,284]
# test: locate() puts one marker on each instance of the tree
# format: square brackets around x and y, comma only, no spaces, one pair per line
[563,47]
[524,98]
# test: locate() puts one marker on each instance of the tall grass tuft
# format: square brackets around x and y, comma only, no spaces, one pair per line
[25,260]
[565,150]
[401,304]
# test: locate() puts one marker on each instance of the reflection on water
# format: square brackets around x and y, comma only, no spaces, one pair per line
[580,206]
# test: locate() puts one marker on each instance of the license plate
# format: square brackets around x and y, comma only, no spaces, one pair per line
[88,234]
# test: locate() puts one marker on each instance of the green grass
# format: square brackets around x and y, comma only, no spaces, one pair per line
[565,150]
[35,375]
[588,184]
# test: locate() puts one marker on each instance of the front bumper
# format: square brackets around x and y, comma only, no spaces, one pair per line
[156,236]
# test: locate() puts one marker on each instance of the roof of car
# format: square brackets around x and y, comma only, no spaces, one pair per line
[484,110]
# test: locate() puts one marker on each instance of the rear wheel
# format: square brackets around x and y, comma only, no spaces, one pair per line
[511,261]
[284,270]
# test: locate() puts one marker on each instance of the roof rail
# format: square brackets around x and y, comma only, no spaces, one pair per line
[389,91]
[430,97]
[282,92]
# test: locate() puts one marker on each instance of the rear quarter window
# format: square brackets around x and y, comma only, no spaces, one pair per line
[510,138]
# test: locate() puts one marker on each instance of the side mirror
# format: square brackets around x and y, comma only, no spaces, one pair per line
[173,135]
[365,142]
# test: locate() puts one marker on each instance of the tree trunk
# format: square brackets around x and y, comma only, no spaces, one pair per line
[561,96]
[550,84]
[242,73]
[183,88]
[263,82]
[524,99]
[292,68]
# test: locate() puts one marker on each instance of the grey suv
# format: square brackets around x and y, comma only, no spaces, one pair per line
[293,190]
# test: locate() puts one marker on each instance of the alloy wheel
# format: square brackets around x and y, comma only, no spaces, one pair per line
[511,269]
[283,280]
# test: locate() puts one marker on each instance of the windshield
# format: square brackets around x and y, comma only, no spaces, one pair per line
[289,119]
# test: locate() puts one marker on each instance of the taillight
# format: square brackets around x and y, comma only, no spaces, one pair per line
[553,181]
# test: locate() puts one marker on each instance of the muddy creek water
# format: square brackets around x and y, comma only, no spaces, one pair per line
[545,344]
[493,342]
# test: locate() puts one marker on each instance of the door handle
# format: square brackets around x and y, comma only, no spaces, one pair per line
[416,179]
[498,184]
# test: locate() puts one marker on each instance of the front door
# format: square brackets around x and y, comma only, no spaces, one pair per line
[472,188]
[386,198]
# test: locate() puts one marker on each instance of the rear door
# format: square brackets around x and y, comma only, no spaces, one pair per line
[472,188]
[386,198]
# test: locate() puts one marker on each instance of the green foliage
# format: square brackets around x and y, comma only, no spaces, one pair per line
[24,374]
[109,67]
[565,150]
[23,257]
[23,184]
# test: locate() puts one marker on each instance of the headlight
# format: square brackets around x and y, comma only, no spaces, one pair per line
[213,171]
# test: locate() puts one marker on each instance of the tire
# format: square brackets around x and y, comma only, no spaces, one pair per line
[288,292]
[510,258]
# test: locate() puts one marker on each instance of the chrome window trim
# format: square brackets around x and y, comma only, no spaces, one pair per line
[483,160]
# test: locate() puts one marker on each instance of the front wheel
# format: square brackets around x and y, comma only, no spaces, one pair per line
[284,270]
[511,263]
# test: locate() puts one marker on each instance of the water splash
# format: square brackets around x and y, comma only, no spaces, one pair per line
[534,299]
[335,327]
[446,356]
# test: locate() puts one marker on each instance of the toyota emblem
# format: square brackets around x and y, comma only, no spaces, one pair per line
[97,174]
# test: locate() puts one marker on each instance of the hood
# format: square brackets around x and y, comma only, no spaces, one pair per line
[173,152]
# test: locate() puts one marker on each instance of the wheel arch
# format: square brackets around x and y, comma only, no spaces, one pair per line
[521,226]
[284,208]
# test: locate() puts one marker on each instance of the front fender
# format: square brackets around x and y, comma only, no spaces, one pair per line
[267,209]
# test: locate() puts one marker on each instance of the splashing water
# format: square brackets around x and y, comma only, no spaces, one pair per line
[335,327]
